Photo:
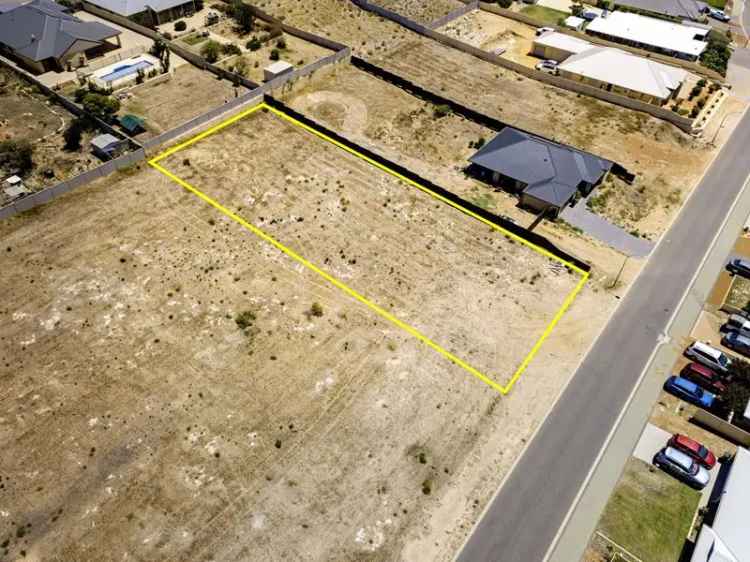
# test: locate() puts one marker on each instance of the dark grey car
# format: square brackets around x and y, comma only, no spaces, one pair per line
[739,267]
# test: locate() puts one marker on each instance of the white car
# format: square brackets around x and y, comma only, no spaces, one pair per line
[542,30]
[548,66]
[718,15]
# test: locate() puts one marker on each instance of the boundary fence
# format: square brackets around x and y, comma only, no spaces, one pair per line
[47,195]
[512,227]
[679,121]
[455,14]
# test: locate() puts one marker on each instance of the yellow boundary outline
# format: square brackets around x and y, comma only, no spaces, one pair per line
[154,162]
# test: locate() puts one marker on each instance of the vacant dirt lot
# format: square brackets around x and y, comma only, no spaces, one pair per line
[27,115]
[422,11]
[493,33]
[171,394]
[189,93]
[306,186]
[397,125]
[291,49]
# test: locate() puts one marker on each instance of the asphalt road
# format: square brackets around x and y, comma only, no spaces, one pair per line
[525,515]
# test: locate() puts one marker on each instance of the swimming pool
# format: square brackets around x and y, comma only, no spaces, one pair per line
[125,70]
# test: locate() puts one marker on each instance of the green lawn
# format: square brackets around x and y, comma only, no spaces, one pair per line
[194,39]
[649,513]
[544,15]
[717,3]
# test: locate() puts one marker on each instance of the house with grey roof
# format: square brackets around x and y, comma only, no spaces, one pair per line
[681,9]
[147,12]
[42,36]
[546,176]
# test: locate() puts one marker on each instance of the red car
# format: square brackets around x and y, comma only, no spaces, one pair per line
[703,377]
[693,449]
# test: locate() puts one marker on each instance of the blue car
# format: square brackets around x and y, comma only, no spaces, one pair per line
[689,392]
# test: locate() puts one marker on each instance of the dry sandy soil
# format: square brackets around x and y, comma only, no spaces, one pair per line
[28,115]
[189,93]
[140,421]
[422,11]
[491,32]
[296,52]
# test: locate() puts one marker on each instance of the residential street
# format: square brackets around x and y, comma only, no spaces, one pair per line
[523,519]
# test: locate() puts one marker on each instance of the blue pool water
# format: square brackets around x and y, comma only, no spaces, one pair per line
[125,70]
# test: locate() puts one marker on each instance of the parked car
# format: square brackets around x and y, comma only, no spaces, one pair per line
[737,323]
[682,467]
[548,66]
[718,14]
[693,449]
[703,377]
[542,30]
[736,342]
[709,356]
[689,392]
[739,267]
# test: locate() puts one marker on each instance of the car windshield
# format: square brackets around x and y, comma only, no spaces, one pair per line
[694,468]
[702,452]
[723,361]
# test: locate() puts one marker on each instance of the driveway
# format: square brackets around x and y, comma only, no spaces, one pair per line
[651,442]
[606,232]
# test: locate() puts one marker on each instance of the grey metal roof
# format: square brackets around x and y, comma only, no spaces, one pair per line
[552,172]
[43,29]
[128,8]
[102,142]
[690,9]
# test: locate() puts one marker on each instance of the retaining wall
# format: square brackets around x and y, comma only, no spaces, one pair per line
[455,14]
[679,121]
[523,18]
[47,195]
[721,427]
[520,231]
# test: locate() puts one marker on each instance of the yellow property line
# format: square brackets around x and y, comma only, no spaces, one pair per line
[348,290]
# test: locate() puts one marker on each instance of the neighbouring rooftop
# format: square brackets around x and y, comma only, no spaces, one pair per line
[42,29]
[562,41]
[620,68]
[662,34]
[551,171]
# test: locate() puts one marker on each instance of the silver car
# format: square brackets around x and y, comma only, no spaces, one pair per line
[682,467]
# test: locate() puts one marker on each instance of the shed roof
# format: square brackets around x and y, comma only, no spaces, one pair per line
[43,29]
[552,172]
[128,8]
[102,142]
[574,21]
[626,70]
[727,539]
[131,122]
[279,66]
[562,41]
[655,32]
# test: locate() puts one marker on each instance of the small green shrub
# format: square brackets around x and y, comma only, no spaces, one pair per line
[180,26]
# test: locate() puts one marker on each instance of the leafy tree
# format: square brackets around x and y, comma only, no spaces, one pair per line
[73,134]
[161,51]
[101,105]
[211,51]
[274,54]
[180,26]
[577,9]
[198,5]
[505,3]
[243,16]
[231,49]
[16,156]
[254,44]
[717,53]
